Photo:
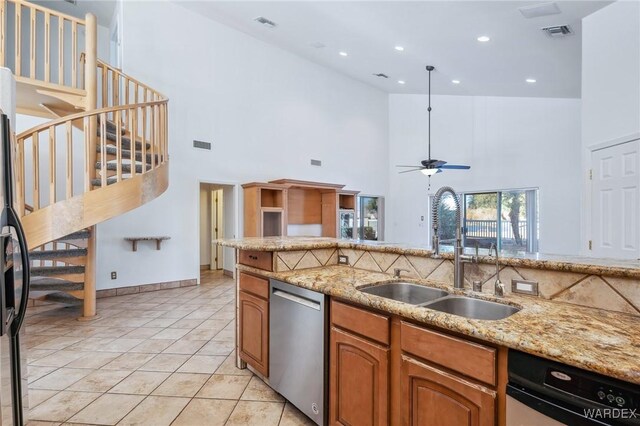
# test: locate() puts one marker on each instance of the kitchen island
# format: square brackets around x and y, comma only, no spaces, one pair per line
[597,340]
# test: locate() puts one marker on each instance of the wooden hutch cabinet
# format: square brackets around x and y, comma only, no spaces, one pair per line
[269,208]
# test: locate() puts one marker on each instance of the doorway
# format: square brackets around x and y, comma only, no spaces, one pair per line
[217,207]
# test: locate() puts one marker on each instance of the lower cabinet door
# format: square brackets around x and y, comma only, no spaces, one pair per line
[359,381]
[253,340]
[436,398]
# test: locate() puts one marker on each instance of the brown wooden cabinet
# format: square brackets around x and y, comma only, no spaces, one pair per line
[433,397]
[253,322]
[385,370]
[359,367]
[359,382]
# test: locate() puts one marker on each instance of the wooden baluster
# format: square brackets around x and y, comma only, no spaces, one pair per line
[74,54]
[20,183]
[18,39]
[115,89]
[69,130]
[105,87]
[3,33]
[152,135]
[89,169]
[133,135]
[32,43]
[36,170]
[144,138]
[52,165]
[118,120]
[91,63]
[103,149]
[47,46]
[61,50]
[133,147]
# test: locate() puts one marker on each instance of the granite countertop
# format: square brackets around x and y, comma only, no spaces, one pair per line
[585,265]
[596,340]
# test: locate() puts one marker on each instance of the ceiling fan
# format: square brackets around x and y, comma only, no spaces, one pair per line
[431,166]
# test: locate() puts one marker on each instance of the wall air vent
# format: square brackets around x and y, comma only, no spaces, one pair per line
[266,22]
[558,31]
[316,162]
[202,145]
[73,2]
[381,75]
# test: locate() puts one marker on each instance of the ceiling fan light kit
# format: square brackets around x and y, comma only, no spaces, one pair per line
[430,167]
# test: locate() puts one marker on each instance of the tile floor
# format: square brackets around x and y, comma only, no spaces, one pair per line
[158,358]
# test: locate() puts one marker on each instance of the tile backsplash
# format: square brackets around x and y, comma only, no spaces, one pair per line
[598,291]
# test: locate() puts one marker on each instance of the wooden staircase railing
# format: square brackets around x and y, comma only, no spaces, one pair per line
[86,166]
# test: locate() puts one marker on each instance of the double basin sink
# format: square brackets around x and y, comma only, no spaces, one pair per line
[442,301]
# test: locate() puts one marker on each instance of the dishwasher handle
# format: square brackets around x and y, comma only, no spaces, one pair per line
[297,299]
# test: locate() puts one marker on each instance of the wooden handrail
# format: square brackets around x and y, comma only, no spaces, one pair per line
[43,26]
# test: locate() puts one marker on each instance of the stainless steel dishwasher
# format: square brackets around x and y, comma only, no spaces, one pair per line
[298,335]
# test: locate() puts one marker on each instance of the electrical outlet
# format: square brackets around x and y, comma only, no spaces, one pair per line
[114,275]
[524,287]
[343,260]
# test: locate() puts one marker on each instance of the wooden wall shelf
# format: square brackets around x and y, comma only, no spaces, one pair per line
[134,241]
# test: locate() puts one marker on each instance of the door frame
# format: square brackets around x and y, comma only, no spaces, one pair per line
[236,215]
[588,202]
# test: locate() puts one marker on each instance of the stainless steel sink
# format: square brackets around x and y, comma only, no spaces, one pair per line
[472,308]
[405,292]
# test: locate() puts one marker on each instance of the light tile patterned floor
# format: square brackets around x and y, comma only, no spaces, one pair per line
[158,358]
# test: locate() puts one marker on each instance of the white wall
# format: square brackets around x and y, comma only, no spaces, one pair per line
[611,73]
[508,142]
[267,112]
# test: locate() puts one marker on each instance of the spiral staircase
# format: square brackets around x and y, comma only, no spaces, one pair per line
[103,152]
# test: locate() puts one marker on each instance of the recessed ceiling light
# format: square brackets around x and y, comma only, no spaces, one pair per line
[401,81]
[343,53]
[531,80]
[399,48]
[483,39]
[455,81]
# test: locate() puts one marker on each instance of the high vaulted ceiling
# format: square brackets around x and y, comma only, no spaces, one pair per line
[439,33]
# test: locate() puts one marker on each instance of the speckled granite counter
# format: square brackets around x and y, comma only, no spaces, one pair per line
[597,340]
[585,265]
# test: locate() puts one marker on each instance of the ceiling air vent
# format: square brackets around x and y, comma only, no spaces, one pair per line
[266,22]
[558,31]
[380,74]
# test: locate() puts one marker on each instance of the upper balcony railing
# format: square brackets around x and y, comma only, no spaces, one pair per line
[39,44]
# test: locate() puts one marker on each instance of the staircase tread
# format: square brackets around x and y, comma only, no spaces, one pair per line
[125,141]
[61,297]
[52,254]
[56,270]
[82,234]
[47,284]
[126,168]
[126,154]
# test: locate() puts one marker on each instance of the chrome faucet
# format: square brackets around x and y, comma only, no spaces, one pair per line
[398,271]
[498,287]
[459,258]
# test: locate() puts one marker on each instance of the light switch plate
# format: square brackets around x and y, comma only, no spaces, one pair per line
[524,287]
[343,260]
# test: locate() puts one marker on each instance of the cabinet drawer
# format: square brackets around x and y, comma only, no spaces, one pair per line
[254,285]
[471,359]
[362,322]
[257,259]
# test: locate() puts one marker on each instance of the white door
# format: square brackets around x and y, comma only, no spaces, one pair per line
[615,201]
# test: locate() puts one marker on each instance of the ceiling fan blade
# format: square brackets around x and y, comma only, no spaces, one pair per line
[415,166]
[455,166]
[414,170]
[432,163]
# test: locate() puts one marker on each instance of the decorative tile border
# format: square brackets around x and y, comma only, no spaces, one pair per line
[304,259]
[597,291]
[121,291]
